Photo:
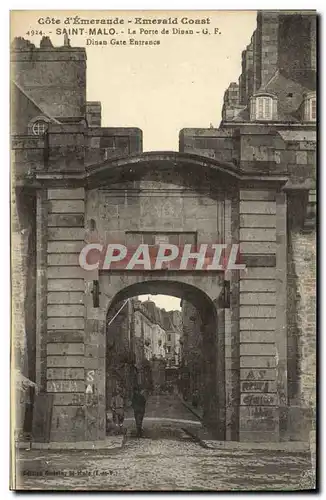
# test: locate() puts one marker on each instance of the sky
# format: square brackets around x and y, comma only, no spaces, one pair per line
[164,301]
[160,89]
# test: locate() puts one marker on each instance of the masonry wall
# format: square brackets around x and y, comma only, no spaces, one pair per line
[23,299]
[42,72]
[219,144]
[68,354]
[23,278]
[297,44]
[257,317]
[256,349]
[123,214]
[304,256]
[302,341]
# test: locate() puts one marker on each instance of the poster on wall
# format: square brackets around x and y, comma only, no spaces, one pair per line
[163,242]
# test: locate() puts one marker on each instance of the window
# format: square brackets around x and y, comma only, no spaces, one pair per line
[264,111]
[263,107]
[169,337]
[39,127]
[310,108]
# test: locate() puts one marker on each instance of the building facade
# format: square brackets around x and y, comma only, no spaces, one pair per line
[269,124]
[252,181]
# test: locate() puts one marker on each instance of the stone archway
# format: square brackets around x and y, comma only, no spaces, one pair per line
[178,198]
[158,197]
[211,331]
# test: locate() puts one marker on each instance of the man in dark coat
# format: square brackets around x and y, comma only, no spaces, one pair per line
[138,403]
[117,406]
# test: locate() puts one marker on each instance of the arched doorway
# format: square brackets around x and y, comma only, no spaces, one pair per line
[151,199]
[121,363]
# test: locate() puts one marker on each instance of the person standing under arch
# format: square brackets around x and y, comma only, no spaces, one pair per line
[138,403]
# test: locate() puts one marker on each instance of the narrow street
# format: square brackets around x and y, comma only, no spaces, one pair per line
[165,416]
[166,458]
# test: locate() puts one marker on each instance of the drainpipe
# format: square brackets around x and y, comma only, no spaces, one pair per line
[132,327]
[116,314]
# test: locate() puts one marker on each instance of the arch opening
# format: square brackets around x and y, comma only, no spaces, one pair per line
[173,356]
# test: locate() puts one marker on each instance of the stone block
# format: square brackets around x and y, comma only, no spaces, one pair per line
[257,220]
[256,195]
[65,361]
[66,220]
[65,373]
[66,194]
[257,298]
[258,374]
[254,234]
[65,323]
[65,386]
[257,324]
[65,259]
[68,399]
[65,349]
[265,260]
[63,247]
[257,247]
[257,285]
[65,206]
[256,336]
[65,310]
[263,399]
[258,386]
[257,349]
[65,297]
[257,311]
[66,336]
[63,285]
[66,233]
[258,207]
[259,273]
[257,362]
[57,272]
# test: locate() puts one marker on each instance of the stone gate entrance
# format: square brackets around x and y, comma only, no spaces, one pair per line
[251,181]
[182,198]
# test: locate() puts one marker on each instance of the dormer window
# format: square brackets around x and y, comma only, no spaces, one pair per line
[263,107]
[310,107]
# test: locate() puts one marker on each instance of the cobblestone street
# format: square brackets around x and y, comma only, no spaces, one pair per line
[165,459]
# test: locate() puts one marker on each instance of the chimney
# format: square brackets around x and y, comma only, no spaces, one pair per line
[66,41]
[93,113]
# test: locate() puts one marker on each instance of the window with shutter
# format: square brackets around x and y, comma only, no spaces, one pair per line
[264,108]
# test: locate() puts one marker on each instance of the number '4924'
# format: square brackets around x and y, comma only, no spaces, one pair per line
[35,32]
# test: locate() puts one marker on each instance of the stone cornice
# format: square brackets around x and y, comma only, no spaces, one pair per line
[110,170]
